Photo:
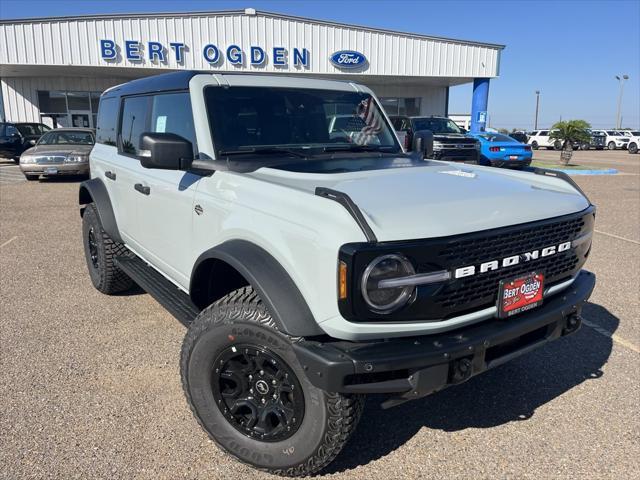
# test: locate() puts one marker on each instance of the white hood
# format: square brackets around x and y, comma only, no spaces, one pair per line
[441,199]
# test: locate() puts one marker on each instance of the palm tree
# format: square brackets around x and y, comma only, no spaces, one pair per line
[570,132]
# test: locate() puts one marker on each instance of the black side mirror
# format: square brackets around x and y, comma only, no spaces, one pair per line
[423,143]
[165,151]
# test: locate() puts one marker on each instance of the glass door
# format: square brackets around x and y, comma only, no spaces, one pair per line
[80,119]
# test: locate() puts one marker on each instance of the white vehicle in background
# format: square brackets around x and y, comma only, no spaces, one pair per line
[541,138]
[634,143]
[631,133]
[614,138]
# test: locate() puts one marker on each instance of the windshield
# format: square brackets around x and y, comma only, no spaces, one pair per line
[436,125]
[67,138]
[266,118]
[31,129]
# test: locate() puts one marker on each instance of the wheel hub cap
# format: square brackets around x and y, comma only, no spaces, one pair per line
[257,392]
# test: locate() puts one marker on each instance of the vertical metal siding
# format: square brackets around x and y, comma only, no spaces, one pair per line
[21,93]
[76,42]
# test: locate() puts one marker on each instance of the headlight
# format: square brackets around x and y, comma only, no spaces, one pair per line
[25,159]
[32,142]
[386,300]
[437,145]
[75,159]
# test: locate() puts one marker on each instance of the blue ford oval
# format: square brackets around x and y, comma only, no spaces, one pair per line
[348,59]
[499,150]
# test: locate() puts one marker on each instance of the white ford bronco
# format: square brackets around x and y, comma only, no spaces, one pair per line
[314,264]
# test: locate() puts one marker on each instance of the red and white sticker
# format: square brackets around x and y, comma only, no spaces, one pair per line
[520,294]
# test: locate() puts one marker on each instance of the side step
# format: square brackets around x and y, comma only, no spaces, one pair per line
[166,293]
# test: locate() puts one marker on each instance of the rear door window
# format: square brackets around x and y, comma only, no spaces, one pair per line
[133,124]
[544,133]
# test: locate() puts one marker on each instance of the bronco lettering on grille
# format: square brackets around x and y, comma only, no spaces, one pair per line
[470,270]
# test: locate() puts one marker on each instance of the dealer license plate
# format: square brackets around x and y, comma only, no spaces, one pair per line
[513,157]
[519,294]
[50,171]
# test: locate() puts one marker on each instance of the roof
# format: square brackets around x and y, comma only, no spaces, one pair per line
[248,12]
[156,83]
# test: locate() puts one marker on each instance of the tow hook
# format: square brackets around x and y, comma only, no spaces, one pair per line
[461,370]
[573,323]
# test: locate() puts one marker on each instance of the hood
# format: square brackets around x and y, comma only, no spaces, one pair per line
[60,150]
[441,199]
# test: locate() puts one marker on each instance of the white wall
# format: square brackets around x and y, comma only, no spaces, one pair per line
[75,42]
[433,99]
[20,94]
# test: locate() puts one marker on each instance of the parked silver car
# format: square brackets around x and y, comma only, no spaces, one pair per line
[63,151]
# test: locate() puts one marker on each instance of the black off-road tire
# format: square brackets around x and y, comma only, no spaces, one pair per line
[632,148]
[534,145]
[105,275]
[329,419]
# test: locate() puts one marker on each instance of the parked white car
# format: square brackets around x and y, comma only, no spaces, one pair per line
[614,140]
[631,133]
[541,138]
[634,143]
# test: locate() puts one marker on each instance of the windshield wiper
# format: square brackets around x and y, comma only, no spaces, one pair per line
[358,148]
[264,151]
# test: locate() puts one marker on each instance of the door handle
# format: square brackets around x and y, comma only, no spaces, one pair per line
[110,174]
[142,189]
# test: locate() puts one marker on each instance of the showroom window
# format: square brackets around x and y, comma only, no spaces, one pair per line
[401,106]
[60,108]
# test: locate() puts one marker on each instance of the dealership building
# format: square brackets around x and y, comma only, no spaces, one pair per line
[52,70]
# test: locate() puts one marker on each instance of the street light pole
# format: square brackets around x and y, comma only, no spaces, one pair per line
[535,126]
[621,80]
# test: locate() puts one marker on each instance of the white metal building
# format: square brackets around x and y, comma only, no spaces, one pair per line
[54,69]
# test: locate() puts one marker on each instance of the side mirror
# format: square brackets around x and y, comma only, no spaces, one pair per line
[165,151]
[15,135]
[423,143]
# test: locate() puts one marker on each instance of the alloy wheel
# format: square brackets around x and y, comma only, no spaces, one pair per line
[257,392]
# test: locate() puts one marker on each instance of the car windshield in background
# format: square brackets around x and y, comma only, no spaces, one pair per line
[31,129]
[67,138]
[496,137]
[263,120]
[436,125]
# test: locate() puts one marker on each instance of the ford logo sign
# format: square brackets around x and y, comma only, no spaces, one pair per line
[348,59]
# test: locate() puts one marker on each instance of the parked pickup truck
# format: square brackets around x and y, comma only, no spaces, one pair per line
[449,141]
[313,266]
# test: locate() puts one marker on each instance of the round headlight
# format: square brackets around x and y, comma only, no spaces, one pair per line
[386,300]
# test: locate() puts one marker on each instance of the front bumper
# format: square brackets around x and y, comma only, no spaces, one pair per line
[418,366]
[55,169]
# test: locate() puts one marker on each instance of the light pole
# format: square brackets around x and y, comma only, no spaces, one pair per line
[621,80]
[535,126]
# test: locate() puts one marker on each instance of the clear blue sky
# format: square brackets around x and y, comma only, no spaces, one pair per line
[570,50]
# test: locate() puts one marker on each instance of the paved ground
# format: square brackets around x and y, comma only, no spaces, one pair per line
[89,384]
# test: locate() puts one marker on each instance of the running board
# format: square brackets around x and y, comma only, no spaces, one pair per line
[166,293]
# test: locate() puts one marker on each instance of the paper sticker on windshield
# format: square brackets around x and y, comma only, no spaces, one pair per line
[161,124]
[459,173]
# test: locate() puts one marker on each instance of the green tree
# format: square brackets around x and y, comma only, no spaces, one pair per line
[570,132]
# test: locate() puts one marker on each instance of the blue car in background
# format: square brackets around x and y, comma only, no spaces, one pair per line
[499,150]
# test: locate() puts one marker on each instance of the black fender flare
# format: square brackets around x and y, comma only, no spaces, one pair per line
[94,191]
[272,283]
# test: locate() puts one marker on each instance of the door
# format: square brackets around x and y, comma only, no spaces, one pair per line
[10,140]
[80,119]
[165,209]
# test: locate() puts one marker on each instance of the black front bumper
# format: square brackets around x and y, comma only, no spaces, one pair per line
[418,366]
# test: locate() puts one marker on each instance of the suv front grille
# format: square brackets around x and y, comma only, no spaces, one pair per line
[464,295]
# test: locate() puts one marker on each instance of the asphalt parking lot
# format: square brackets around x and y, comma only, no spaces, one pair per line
[90,387]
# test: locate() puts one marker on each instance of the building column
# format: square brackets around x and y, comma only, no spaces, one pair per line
[479,104]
